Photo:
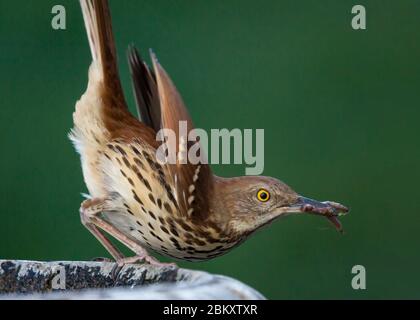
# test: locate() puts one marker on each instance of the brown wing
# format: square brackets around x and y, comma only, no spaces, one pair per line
[144,89]
[192,182]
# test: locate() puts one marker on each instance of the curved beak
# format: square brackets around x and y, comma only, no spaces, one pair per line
[330,210]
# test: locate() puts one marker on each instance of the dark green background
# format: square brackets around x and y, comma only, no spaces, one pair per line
[340,109]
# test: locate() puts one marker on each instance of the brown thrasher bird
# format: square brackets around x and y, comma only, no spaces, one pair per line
[178,210]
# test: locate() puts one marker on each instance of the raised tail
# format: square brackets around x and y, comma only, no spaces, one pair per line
[97,17]
[103,102]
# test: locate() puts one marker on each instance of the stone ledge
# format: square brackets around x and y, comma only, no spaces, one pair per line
[21,279]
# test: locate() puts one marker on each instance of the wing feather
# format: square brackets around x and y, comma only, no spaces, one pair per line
[192,182]
[144,89]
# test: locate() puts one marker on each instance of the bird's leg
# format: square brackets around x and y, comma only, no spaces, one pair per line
[141,254]
[89,211]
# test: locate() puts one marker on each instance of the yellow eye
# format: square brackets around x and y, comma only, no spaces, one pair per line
[263,195]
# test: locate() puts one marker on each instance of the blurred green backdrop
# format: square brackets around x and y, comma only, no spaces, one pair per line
[340,109]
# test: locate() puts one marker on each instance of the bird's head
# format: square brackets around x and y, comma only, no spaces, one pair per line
[254,201]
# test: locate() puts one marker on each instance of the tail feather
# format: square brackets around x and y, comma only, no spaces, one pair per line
[97,17]
[103,100]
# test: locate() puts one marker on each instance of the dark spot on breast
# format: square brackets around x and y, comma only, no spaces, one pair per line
[123,173]
[174,241]
[159,168]
[159,203]
[200,242]
[130,181]
[161,174]
[164,229]
[136,151]
[121,150]
[152,198]
[168,208]
[174,232]
[141,232]
[146,183]
[136,170]
[126,162]
[141,178]
[139,163]
[139,223]
[136,197]
[169,194]
[150,226]
[153,165]
[152,215]
[156,236]
[162,221]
